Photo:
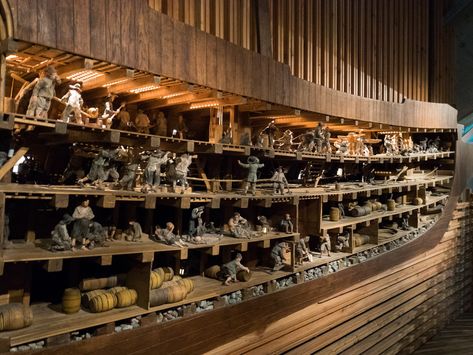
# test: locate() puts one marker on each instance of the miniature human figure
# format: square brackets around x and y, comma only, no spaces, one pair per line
[167,236]
[196,225]
[134,232]
[252,165]
[181,127]
[423,144]
[100,169]
[245,139]
[108,112]
[228,271]
[325,245]
[342,147]
[319,136]
[227,136]
[302,250]
[123,118]
[152,173]
[180,170]
[82,215]
[286,224]
[162,125]
[74,103]
[326,148]
[270,131]
[97,235]
[279,182]
[142,122]
[238,226]
[264,222]
[128,178]
[341,208]
[285,142]
[307,142]
[277,255]
[43,93]
[342,241]
[60,236]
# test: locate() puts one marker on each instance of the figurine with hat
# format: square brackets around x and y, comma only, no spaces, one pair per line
[252,165]
[74,102]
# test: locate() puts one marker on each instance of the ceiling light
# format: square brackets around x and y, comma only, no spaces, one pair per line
[144,89]
[196,106]
[174,95]
[115,82]
[85,75]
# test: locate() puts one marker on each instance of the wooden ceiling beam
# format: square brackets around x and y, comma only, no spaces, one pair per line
[185,99]
[158,93]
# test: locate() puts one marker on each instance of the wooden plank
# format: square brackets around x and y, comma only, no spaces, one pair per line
[113,31]
[5,168]
[128,34]
[211,59]
[201,57]
[167,46]
[221,68]
[64,12]
[27,26]
[155,42]
[82,27]
[143,34]
[98,29]
[47,35]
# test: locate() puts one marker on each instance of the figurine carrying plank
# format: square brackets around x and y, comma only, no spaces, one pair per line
[43,93]
[252,165]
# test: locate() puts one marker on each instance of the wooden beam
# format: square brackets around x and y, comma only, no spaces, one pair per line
[12,161]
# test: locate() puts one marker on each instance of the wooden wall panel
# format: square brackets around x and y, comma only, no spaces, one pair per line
[128,39]
[154,41]
[113,31]
[81,27]
[372,48]
[65,29]
[27,12]
[98,24]
[46,22]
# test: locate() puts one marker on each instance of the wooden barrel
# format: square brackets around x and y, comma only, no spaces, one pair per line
[360,239]
[160,272]
[156,279]
[158,296]
[212,271]
[168,273]
[176,293]
[15,316]
[359,211]
[334,214]
[188,284]
[103,302]
[418,201]
[117,289]
[103,282]
[243,276]
[87,296]
[391,205]
[376,205]
[126,298]
[71,300]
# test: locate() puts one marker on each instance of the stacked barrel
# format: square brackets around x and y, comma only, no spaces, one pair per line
[104,294]
[167,287]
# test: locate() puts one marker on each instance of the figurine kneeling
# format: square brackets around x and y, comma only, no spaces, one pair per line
[302,251]
[134,232]
[277,255]
[239,227]
[167,236]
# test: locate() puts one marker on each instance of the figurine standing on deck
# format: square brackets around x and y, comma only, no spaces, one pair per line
[279,182]
[123,117]
[277,255]
[43,93]
[285,142]
[253,165]
[162,125]
[196,224]
[74,103]
[270,131]
[178,171]
[303,251]
[228,272]
[128,178]
[152,173]
[60,236]
[142,122]
[286,224]
[108,112]
[82,215]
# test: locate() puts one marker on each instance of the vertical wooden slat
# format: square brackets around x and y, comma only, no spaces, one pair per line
[64,18]
[142,35]
[155,45]
[27,20]
[113,31]
[128,32]
[47,23]
[98,37]
[82,26]
[167,46]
